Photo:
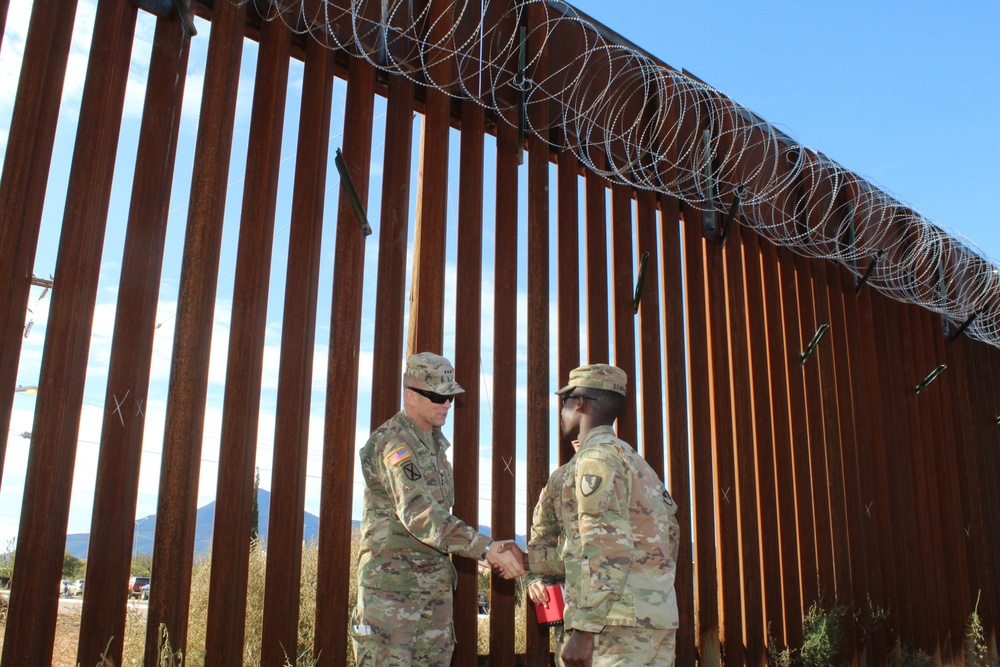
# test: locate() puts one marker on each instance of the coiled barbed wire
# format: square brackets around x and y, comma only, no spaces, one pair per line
[638,122]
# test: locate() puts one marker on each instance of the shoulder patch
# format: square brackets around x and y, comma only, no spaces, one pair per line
[398,455]
[590,484]
[593,479]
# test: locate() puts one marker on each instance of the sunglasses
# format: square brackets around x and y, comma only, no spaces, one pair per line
[566,397]
[433,397]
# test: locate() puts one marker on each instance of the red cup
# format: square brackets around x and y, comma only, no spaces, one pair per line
[552,614]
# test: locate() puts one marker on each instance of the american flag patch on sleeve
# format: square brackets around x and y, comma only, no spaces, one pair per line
[398,455]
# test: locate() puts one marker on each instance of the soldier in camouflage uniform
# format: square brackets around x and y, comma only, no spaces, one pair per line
[620,536]
[405,576]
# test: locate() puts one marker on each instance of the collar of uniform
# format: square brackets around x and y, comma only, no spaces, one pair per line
[434,439]
[598,431]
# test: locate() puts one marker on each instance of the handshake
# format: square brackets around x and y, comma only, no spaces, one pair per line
[507,559]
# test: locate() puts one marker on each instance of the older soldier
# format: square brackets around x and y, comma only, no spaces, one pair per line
[405,578]
[620,536]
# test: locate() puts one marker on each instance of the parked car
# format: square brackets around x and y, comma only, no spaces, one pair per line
[144,592]
[75,587]
[135,585]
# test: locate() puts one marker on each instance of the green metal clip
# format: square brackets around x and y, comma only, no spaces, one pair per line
[639,280]
[352,193]
[806,353]
[930,377]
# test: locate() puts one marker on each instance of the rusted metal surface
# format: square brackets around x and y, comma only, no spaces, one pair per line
[426,331]
[173,542]
[785,498]
[598,347]
[539,389]
[650,358]
[468,342]
[798,456]
[45,509]
[726,491]
[768,539]
[24,181]
[830,481]
[390,295]
[568,288]
[744,494]
[339,445]
[505,408]
[706,582]
[678,446]
[814,444]
[110,555]
[864,520]
[280,622]
[622,291]
[241,406]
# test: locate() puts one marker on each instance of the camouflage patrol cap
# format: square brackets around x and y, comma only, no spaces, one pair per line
[435,371]
[597,376]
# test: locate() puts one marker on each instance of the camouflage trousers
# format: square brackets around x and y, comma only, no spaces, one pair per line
[403,628]
[624,646]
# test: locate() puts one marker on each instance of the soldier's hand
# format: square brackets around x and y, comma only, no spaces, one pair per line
[514,548]
[506,559]
[538,594]
[578,651]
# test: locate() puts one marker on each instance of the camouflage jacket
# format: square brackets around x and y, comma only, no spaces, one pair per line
[545,541]
[408,529]
[621,538]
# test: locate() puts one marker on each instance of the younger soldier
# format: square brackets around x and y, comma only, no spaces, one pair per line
[620,536]
[405,577]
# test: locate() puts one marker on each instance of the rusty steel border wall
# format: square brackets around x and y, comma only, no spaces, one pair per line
[804,474]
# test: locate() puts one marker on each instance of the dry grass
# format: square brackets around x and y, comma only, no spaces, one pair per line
[68,624]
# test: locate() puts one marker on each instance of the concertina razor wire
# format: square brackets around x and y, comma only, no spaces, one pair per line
[638,122]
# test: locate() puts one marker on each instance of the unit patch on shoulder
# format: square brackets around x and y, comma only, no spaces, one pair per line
[398,455]
[590,484]
[594,482]
[411,471]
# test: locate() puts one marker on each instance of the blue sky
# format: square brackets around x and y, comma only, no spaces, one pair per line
[901,93]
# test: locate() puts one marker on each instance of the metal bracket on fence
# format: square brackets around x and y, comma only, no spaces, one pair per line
[352,194]
[166,8]
[733,208]
[806,353]
[965,325]
[183,8]
[521,84]
[871,267]
[930,378]
[639,280]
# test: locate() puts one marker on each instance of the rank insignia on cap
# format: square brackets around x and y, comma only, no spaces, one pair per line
[590,484]
[398,455]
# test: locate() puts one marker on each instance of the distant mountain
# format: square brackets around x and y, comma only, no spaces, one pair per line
[142,540]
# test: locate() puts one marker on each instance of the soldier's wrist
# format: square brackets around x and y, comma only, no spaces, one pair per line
[486,551]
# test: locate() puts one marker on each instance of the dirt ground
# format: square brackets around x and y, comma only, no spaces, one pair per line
[68,636]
